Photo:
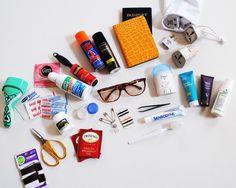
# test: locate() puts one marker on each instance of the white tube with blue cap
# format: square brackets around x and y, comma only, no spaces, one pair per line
[169,114]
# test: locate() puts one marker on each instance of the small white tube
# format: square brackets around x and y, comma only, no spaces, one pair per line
[172,113]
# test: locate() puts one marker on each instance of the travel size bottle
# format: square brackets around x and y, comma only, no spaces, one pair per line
[222,98]
[90,50]
[105,52]
[70,85]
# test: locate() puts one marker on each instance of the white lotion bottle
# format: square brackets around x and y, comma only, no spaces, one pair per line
[70,85]
[222,98]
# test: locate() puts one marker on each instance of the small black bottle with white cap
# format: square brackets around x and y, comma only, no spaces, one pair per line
[105,52]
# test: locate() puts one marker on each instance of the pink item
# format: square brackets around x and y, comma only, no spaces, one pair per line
[33,108]
[41,72]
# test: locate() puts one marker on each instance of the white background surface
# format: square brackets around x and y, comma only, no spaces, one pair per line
[199,154]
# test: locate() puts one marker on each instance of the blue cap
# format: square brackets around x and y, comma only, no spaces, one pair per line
[161,68]
[92,108]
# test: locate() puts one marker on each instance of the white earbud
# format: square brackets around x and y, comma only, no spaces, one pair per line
[221,40]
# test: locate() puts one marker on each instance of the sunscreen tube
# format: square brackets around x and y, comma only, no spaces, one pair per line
[187,80]
[172,113]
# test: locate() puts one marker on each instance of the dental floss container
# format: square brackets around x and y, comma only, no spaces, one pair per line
[164,79]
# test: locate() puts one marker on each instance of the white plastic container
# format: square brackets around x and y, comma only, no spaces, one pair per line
[222,98]
[163,79]
[62,123]
[70,85]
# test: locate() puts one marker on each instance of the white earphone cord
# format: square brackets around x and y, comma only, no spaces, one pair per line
[212,33]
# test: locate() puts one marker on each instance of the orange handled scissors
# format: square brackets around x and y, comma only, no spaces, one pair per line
[47,146]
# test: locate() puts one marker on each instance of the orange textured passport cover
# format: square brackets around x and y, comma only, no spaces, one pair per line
[136,41]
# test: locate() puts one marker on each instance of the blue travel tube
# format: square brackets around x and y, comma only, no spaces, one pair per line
[187,80]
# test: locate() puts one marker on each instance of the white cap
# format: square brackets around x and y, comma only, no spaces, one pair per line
[194,103]
[52,76]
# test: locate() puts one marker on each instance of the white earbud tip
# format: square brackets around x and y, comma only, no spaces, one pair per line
[221,40]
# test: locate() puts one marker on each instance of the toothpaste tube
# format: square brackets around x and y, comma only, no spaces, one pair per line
[172,113]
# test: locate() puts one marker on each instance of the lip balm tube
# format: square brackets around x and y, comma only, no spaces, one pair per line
[222,98]
[187,80]
[90,50]
[206,89]
[172,113]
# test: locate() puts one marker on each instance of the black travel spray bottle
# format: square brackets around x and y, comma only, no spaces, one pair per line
[105,52]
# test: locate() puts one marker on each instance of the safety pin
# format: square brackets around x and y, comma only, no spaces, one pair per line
[108,117]
[105,121]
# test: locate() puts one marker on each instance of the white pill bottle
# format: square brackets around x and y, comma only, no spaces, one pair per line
[70,85]
[222,98]
[61,121]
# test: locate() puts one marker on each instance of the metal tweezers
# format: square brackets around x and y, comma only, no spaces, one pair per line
[151,107]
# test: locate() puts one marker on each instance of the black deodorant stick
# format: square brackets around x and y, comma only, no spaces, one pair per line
[105,52]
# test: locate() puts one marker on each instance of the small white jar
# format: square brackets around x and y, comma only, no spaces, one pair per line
[62,123]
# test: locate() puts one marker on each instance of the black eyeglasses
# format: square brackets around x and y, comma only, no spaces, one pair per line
[133,88]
